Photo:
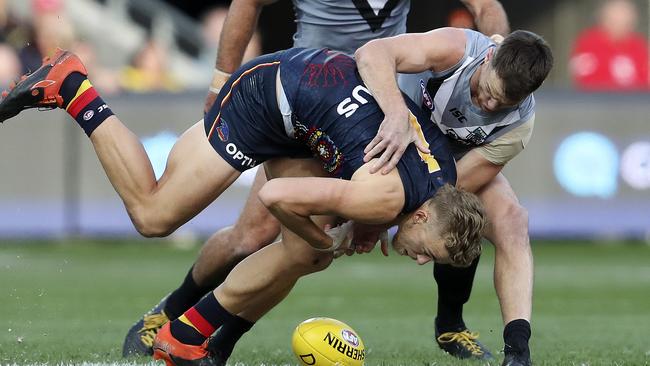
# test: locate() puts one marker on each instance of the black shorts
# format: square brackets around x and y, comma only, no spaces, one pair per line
[245,125]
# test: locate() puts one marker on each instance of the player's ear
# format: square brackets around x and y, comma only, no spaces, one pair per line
[420,216]
[489,54]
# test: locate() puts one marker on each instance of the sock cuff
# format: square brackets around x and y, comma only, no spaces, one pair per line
[198,322]
[520,327]
[85,95]
[210,308]
[89,110]
[207,315]
[242,323]
[516,335]
[83,103]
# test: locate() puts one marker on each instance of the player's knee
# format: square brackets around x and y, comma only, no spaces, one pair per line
[249,239]
[517,215]
[309,262]
[510,225]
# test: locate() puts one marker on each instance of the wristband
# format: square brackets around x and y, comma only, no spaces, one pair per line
[220,77]
[334,247]
[223,74]
[341,237]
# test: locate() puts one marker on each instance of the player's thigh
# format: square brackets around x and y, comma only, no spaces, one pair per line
[195,176]
[507,218]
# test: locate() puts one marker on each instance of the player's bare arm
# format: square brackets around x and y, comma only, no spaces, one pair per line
[475,171]
[489,16]
[379,61]
[237,32]
[367,198]
[481,165]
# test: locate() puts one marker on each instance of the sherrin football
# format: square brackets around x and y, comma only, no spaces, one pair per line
[327,342]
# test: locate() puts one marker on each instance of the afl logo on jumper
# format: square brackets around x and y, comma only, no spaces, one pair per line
[426,98]
[222,130]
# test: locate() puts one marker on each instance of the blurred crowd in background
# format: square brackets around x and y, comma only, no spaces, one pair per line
[24,42]
[610,55]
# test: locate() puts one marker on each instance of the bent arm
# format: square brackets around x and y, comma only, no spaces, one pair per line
[475,171]
[236,33]
[489,16]
[479,166]
[379,60]
[371,199]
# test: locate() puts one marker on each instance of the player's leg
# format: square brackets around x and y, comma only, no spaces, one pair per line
[513,266]
[140,338]
[454,289]
[195,174]
[254,229]
[194,177]
[254,286]
[224,340]
[261,280]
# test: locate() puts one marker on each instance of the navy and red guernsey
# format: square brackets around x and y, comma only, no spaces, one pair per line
[321,108]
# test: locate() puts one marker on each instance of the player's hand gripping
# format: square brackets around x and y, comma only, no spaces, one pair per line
[341,238]
[349,238]
[366,237]
[219,78]
[393,137]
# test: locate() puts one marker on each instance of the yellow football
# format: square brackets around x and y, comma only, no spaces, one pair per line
[327,342]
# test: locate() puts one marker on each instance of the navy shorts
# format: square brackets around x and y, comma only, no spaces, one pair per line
[245,125]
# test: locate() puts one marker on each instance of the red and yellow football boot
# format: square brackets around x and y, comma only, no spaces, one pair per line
[175,353]
[40,89]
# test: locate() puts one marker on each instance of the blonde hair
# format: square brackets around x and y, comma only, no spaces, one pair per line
[462,219]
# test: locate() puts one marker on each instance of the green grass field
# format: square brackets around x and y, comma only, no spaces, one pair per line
[72,303]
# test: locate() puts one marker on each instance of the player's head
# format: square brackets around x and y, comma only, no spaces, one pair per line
[445,229]
[515,69]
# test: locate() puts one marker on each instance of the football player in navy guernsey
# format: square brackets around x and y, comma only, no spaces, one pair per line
[290,104]
[343,26]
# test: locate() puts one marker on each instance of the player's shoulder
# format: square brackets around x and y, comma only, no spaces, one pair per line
[477,42]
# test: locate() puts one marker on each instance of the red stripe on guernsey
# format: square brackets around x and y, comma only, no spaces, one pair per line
[81,102]
[199,322]
[234,84]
